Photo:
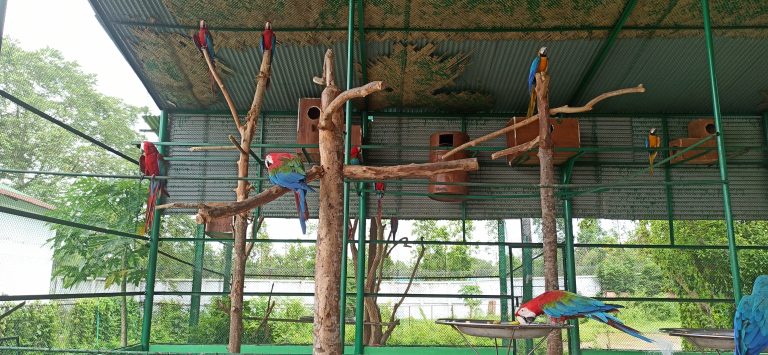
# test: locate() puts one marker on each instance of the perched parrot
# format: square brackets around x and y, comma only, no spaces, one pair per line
[750,324]
[355,155]
[539,65]
[151,163]
[204,41]
[287,170]
[380,188]
[653,141]
[563,305]
[268,40]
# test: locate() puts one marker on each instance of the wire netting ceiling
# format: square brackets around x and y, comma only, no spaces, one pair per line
[482,47]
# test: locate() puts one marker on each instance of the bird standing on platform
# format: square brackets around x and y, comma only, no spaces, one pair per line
[539,65]
[287,170]
[356,158]
[560,306]
[204,42]
[268,41]
[750,324]
[152,164]
[652,142]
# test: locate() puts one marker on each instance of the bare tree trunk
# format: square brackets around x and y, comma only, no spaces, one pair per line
[548,222]
[241,220]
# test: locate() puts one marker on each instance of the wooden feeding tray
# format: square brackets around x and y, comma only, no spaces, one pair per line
[706,338]
[307,132]
[506,330]
[439,144]
[565,134]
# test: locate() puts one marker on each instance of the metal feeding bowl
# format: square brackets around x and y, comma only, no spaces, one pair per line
[506,330]
[719,339]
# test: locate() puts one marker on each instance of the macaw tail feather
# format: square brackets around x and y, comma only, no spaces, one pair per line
[651,158]
[301,208]
[151,202]
[616,323]
[532,103]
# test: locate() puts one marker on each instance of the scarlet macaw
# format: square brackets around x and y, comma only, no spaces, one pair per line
[152,164]
[539,65]
[750,324]
[287,170]
[204,41]
[268,40]
[652,141]
[380,188]
[563,305]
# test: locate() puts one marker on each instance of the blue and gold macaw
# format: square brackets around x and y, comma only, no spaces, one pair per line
[750,324]
[652,142]
[539,65]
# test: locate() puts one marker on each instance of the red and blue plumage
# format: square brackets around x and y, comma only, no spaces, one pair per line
[750,323]
[268,41]
[287,170]
[204,42]
[538,65]
[152,164]
[563,305]
[380,189]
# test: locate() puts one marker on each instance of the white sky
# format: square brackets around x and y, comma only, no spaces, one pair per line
[71,27]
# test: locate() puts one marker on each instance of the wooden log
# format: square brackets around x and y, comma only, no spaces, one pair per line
[365,172]
[548,222]
[241,219]
[223,89]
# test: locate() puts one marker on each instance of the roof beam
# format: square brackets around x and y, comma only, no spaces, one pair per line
[602,54]
[440,30]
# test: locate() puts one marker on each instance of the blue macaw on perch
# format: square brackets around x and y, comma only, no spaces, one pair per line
[287,170]
[539,65]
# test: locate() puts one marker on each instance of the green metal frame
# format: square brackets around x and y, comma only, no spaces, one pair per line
[149,296]
[197,276]
[722,164]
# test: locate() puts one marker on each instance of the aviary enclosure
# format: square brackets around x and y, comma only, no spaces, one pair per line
[434,95]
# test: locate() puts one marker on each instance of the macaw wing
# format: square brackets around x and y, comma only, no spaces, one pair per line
[295,165]
[196,39]
[142,164]
[261,43]
[291,180]
[532,72]
[573,305]
[274,41]
[209,43]
[750,325]
[647,142]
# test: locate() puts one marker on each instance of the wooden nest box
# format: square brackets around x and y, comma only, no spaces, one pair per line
[439,144]
[698,129]
[565,134]
[219,228]
[307,131]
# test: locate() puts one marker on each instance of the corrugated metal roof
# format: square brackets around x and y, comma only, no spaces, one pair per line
[672,64]
[747,170]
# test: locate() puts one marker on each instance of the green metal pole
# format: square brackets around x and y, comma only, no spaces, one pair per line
[732,252]
[667,179]
[574,344]
[360,290]
[512,292]
[504,304]
[525,235]
[347,147]
[197,277]
[149,293]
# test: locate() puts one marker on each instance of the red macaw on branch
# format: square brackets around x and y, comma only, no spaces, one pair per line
[152,164]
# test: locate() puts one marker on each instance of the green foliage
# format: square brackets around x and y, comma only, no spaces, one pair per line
[456,259]
[472,303]
[170,322]
[36,324]
[80,320]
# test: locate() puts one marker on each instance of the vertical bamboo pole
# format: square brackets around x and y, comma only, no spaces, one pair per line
[723,165]
[154,235]
[548,222]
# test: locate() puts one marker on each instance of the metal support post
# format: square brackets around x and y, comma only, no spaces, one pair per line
[197,276]
[149,292]
[574,344]
[525,233]
[732,252]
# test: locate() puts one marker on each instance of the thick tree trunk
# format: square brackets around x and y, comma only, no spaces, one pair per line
[327,266]
[241,220]
[548,222]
